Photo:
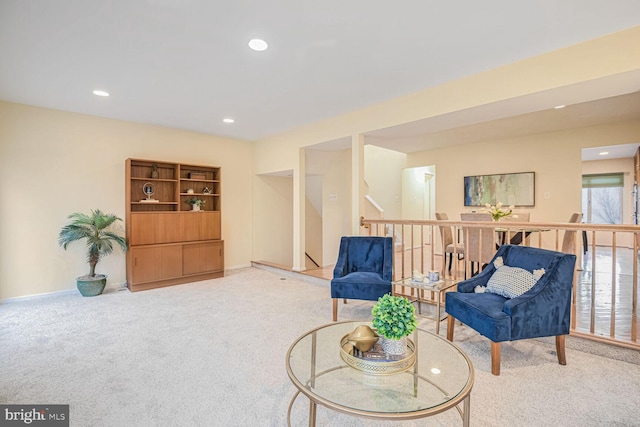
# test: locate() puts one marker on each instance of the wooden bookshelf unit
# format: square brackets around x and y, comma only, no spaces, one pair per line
[169,243]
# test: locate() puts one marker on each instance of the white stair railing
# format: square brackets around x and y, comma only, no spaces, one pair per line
[375,205]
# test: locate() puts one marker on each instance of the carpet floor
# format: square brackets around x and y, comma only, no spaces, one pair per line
[212,353]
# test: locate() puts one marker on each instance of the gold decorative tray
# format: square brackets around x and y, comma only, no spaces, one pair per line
[377,362]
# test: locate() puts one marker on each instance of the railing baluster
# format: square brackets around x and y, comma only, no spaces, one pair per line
[592,319]
[612,328]
[576,282]
[413,245]
[634,292]
[422,248]
[403,250]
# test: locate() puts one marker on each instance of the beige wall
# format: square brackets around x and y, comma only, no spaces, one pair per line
[383,175]
[555,157]
[53,163]
[335,169]
[273,230]
[313,235]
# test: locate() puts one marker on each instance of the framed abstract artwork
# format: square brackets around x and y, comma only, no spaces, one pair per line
[516,189]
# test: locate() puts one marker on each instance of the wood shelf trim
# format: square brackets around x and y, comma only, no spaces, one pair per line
[199,180]
[154,203]
[153,179]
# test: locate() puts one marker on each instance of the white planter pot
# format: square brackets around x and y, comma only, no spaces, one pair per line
[394,346]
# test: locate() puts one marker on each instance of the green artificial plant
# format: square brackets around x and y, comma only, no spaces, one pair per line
[394,317]
[95,228]
[195,201]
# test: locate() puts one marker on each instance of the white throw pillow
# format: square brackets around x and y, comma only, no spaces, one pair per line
[511,282]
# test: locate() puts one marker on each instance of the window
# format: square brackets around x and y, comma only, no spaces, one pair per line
[602,198]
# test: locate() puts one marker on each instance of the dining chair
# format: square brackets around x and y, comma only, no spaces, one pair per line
[479,242]
[569,239]
[448,246]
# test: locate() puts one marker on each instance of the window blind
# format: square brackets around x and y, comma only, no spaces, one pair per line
[603,180]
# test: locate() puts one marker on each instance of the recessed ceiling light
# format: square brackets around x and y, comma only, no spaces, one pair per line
[228,120]
[604,153]
[258,44]
[435,371]
[557,107]
[100,93]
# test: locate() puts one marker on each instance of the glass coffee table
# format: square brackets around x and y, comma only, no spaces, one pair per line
[441,378]
[439,288]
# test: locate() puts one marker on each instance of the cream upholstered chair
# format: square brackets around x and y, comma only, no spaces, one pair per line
[448,247]
[480,242]
[569,239]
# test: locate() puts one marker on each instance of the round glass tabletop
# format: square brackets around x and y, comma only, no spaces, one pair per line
[441,378]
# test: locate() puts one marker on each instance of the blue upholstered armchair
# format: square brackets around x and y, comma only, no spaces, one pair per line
[363,271]
[543,310]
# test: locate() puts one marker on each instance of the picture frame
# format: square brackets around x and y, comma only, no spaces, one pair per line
[517,189]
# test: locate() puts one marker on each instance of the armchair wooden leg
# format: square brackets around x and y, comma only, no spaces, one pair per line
[450,323]
[344,300]
[562,357]
[335,309]
[495,358]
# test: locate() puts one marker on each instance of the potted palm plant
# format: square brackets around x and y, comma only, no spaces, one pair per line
[394,318]
[97,229]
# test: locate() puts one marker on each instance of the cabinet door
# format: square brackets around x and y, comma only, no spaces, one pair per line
[202,257]
[195,226]
[211,226]
[154,228]
[156,263]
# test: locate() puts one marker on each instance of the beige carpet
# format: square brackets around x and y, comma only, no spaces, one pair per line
[213,354]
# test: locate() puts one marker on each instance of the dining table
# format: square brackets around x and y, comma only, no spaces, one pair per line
[519,234]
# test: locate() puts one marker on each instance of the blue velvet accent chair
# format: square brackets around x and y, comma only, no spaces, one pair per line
[542,311]
[364,269]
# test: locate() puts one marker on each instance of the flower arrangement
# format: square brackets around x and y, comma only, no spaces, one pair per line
[394,317]
[497,211]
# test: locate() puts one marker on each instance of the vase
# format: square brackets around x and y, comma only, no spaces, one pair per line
[195,207]
[396,347]
[91,286]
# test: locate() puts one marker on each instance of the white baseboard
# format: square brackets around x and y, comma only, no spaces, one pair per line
[237,267]
[37,296]
[111,286]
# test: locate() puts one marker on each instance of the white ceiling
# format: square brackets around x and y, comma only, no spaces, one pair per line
[186,64]
[621,151]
